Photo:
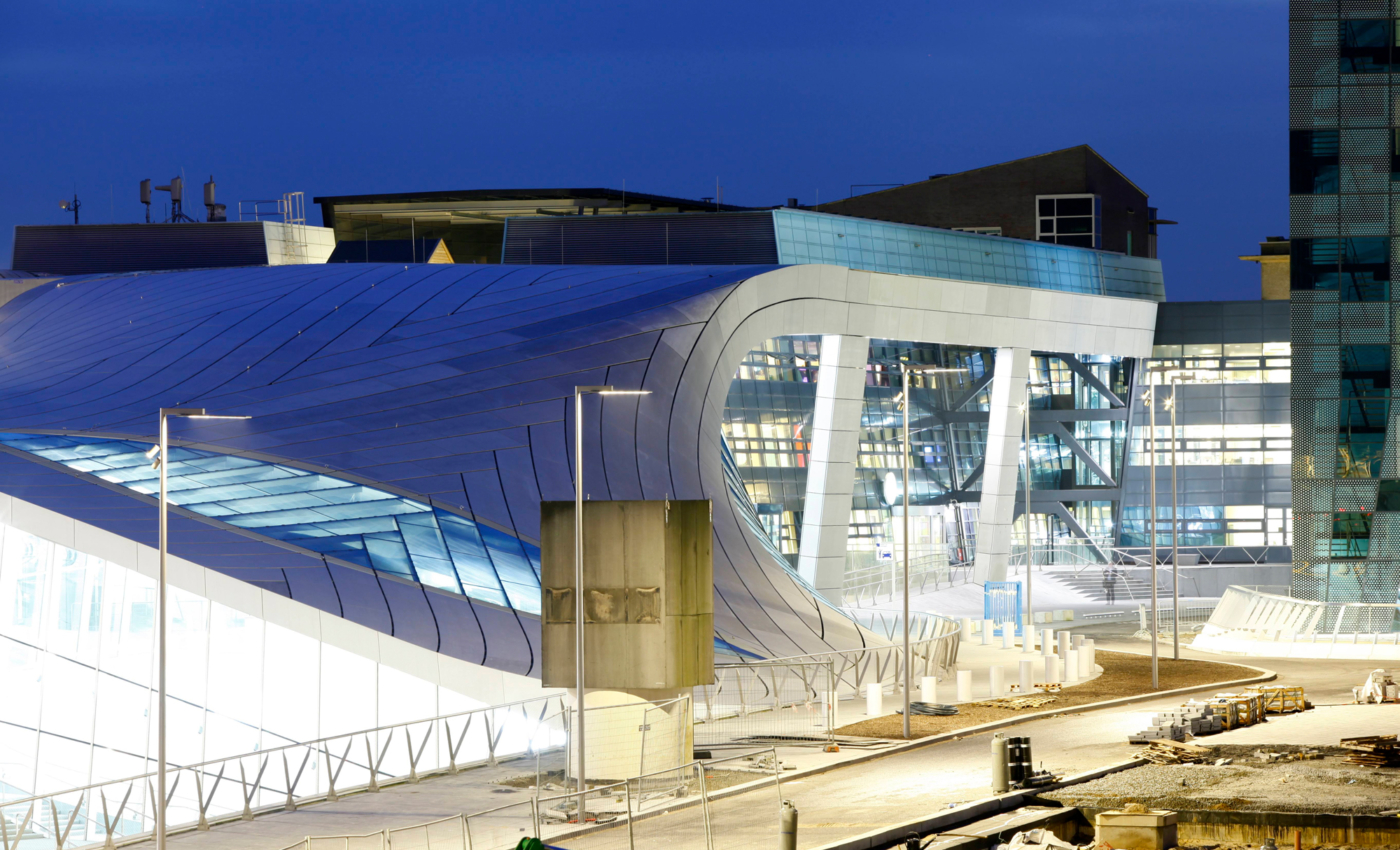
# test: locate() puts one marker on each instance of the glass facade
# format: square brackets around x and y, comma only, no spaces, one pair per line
[811,237]
[77,661]
[1343,199]
[340,519]
[768,424]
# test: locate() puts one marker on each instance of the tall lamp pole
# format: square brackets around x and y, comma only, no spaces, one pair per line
[1170,404]
[1026,632]
[1151,398]
[905,400]
[579,393]
[158,454]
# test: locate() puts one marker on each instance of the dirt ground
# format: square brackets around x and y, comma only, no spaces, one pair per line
[1326,785]
[1124,675]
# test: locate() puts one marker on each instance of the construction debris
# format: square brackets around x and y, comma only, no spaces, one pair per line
[1379,687]
[1372,751]
[1036,839]
[1173,752]
[1016,703]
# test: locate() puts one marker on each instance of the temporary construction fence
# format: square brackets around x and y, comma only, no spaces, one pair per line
[669,808]
[780,699]
[536,733]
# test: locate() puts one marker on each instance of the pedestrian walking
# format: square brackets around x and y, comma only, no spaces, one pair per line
[1110,583]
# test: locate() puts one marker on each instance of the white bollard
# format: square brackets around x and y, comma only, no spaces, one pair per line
[1077,642]
[967,629]
[874,699]
[1062,645]
[1027,675]
[997,679]
[1072,667]
[1089,645]
[1047,641]
[928,689]
[1008,635]
[964,686]
[1086,662]
[1052,669]
[987,628]
[1028,638]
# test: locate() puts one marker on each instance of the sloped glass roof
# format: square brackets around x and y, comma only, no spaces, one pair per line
[351,522]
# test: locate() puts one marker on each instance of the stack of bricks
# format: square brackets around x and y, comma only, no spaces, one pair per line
[1159,732]
[1173,725]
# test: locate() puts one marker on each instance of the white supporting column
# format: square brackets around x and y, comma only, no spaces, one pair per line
[831,468]
[1003,459]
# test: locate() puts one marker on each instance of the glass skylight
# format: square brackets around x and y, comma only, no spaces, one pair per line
[344,520]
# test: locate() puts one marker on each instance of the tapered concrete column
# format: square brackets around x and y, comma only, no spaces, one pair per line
[831,468]
[1003,458]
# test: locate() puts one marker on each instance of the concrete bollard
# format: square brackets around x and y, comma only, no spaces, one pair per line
[996,677]
[1028,638]
[874,699]
[967,629]
[1008,635]
[1078,642]
[1089,645]
[1086,663]
[987,628]
[964,686]
[1052,669]
[1072,667]
[1062,644]
[928,689]
[1027,676]
[1047,641]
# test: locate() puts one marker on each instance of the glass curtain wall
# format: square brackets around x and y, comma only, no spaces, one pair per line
[768,422]
[1343,172]
[77,663]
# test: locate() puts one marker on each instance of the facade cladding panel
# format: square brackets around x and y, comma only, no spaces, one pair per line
[444,393]
[1343,168]
[64,249]
[793,236]
[1234,431]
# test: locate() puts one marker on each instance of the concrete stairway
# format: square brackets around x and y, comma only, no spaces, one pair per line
[1089,584]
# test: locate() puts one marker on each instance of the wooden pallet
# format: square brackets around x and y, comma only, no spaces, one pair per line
[1165,751]
[1016,703]
[1372,751]
[1281,700]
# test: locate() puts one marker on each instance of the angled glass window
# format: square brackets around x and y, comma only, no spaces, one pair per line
[353,523]
[1312,162]
[1365,46]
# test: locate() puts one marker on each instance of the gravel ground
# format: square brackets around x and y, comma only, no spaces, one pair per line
[1124,675]
[1326,785]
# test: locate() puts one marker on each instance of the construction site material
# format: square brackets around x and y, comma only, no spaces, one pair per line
[1173,752]
[787,826]
[929,709]
[1372,751]
[1138,829]
[1280,699]
[1124,674]
[1016,703]
[1379,687]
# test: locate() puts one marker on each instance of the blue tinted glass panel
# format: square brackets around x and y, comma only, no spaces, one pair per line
[360,525]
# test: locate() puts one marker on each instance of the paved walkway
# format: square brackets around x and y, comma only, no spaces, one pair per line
[842,802]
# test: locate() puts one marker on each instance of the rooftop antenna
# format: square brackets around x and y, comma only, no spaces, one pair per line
[217,212]
[146,198]
[71,206]
[177,196]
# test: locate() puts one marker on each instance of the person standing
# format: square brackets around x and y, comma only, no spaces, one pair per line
[1110,583]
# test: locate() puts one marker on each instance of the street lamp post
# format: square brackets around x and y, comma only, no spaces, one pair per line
[579,393]
[1029,627]
[158,455]
[1176,379]
[1151,398]
[904,371]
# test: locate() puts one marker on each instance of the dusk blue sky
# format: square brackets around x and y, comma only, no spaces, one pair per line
[776,99]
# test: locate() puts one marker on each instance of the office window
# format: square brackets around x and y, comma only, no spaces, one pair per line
[1365,46]
[1312,162]
[1069,220]
[1358,268]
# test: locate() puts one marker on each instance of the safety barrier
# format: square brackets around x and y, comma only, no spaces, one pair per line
[749,702]
[122,811]
[656,809]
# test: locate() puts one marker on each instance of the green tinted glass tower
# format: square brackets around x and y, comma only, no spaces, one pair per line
[1343,196]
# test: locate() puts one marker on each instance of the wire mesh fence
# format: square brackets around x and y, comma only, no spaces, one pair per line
[750,702]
